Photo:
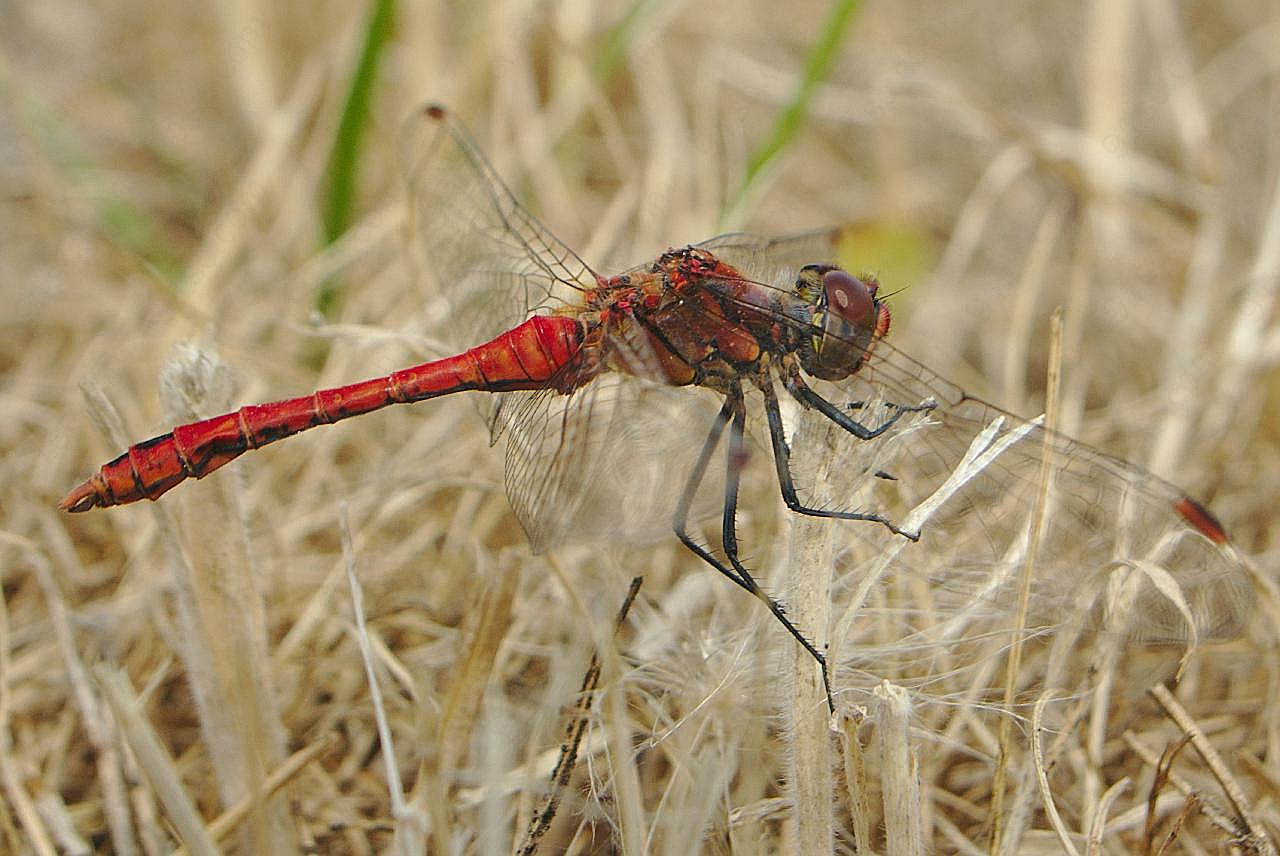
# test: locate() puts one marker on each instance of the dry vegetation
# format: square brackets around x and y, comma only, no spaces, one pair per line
[190,672]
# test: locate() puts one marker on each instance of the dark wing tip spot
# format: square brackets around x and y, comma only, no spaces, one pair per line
[1201,519]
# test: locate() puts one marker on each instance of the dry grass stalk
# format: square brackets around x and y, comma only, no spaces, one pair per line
[576,727]
[1254,835]
[808,598]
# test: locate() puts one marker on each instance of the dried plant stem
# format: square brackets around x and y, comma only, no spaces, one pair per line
[899,772]
[93,716]
[235,224]
[808,599]
[855,779]
[10,778]
[1260,841]
[164,776]
[1098,827]
[574,731]
[411,822]
[1018,631]
[221,626]
[1042,777]
[224,823]
[1155,761]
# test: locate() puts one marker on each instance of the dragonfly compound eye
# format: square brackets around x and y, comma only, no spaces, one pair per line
[849,297]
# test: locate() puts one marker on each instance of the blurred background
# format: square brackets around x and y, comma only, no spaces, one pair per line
[204,206]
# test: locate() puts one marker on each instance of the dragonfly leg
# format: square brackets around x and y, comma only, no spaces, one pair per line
[782,460]
[687,495]
[806,396]
[734,414]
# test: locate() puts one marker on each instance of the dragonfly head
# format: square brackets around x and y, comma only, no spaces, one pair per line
[845,319]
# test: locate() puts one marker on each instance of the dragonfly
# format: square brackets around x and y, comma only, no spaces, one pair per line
[580,368]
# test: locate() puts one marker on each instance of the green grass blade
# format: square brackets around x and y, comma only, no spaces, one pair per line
[619,36]
[345,161]
[793,116]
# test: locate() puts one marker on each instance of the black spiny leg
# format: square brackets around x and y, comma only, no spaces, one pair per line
[680,524]
[734,413]
[806,396]
[782,457]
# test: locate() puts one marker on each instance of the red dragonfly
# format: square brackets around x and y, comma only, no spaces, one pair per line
[940,484]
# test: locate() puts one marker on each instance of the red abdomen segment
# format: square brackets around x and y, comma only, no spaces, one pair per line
[525,357]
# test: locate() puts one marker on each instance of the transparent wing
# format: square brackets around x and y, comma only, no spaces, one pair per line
[492,259]
[603,462]
[608,462]
[774,261]
[1115,547]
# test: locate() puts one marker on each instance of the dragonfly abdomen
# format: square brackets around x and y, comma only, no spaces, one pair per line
[525,357]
